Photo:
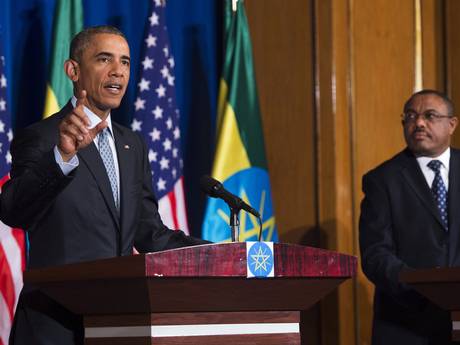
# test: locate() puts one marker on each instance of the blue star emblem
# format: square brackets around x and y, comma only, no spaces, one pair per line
[260,259]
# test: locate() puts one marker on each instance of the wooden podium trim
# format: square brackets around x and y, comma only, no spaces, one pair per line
[441,286]
[194,328]
[191,330]
[266,339]
[218,260]
[455,315]
[431,275]
[191,318]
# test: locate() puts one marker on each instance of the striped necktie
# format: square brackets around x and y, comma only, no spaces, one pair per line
[107,158]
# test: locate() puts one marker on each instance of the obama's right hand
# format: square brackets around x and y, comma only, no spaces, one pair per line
[74,131]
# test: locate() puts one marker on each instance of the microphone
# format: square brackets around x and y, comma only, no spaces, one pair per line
[215,189]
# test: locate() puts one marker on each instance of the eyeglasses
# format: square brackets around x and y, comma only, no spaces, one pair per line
[429,116]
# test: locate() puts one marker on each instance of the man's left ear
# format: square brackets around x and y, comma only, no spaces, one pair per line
[71,69]
[453,124]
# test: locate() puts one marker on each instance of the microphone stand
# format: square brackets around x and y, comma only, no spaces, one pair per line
[234,224]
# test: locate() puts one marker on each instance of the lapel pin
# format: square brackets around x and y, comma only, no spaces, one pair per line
[127,147]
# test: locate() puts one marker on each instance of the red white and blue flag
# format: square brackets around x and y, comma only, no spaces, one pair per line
[12,259]
[156,116]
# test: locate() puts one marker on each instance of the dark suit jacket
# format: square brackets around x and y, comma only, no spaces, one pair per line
[400,229]
[73,218]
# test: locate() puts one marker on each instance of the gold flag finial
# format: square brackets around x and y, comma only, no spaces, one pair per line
[234,5]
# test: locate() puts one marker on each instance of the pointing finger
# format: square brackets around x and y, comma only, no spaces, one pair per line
[81,98]
[80,114]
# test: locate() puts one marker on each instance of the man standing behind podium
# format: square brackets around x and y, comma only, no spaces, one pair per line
[81,185]
[410,219]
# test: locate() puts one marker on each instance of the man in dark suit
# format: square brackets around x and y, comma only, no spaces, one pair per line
[409,220]
[81,185]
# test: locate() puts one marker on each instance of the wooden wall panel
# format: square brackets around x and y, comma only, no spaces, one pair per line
[433,45]
[452,49]
[281,38]
[383,77]
[333,77]
[283,50]
[332,81]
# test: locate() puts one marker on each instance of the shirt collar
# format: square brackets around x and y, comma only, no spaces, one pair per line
[444,158]
[93,118]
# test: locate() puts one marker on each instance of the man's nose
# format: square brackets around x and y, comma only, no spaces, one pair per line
[420,120]
[118,69]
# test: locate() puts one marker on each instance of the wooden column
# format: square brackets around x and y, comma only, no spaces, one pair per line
[433,40]
[383,78]
[452,58]
[334,157]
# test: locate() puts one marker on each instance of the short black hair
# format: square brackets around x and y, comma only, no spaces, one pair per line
[447,101]
[83,38]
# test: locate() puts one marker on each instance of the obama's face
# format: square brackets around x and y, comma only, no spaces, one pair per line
[103,71]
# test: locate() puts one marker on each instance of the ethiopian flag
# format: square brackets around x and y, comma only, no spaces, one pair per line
[68,21]
[239,161]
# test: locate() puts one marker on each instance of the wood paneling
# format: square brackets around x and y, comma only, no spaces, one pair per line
[433,45]
[282,38]
[383,78]
[452,17]
[282,45]
[191,318]
[268,339]
[333,77]
[334,158]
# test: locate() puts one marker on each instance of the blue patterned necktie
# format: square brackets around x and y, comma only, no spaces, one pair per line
[107,158]
[439,191]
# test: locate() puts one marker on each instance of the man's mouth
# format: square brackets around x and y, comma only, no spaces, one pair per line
[114,88]
[420,135]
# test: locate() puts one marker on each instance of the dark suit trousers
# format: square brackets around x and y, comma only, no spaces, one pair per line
[41,321]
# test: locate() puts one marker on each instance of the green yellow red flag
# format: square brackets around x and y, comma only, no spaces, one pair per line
[68,21]
[239,161]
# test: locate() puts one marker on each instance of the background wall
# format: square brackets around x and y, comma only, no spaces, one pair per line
[332,76]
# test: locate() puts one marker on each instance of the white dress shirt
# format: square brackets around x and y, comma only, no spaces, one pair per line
[444,158]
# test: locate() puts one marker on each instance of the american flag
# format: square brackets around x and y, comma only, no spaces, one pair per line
[157,117]
[12,261]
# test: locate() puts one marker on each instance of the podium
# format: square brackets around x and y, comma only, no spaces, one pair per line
[441,286]
[194,295]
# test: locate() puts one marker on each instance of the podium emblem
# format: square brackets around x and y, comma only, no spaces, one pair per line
[260,259]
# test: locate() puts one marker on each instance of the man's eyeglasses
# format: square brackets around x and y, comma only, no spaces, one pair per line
[429,116]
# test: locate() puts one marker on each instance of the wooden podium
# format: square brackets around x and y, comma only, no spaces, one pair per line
[195,295]
[442,287]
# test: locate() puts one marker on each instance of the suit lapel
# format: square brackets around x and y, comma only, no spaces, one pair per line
[91,157]
[453,201]
[415,178]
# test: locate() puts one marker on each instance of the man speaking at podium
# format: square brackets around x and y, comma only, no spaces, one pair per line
[81,185]
[410,219]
